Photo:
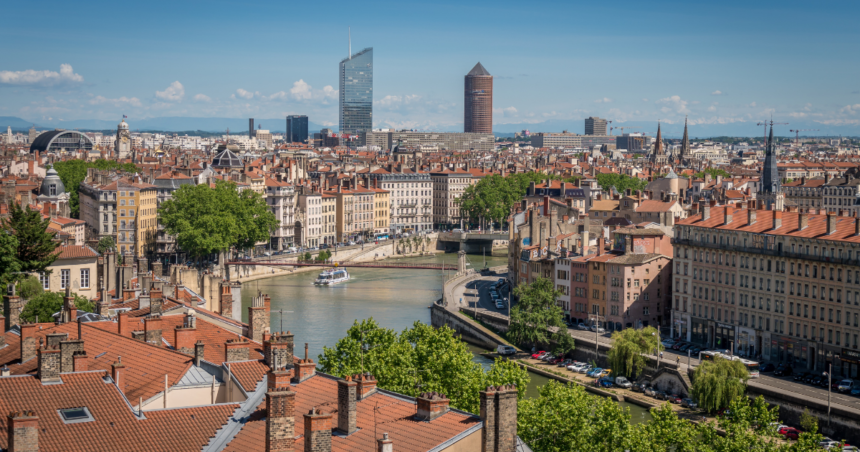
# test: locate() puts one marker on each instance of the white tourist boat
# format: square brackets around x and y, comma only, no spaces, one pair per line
[332,276]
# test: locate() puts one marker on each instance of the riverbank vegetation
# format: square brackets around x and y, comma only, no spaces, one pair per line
[629,347]
[419,359]
[716,383]
[566,418]
[536,311]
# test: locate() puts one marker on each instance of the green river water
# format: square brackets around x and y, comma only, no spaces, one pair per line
[395,298]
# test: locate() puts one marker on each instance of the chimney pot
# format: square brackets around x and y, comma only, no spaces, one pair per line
[23,432]
[346,406]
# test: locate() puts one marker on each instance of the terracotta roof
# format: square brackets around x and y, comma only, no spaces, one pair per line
[75,252]
[398,417]
[816,228]
[115,427]
[650,205]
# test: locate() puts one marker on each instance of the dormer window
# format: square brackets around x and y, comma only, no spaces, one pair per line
[53,189]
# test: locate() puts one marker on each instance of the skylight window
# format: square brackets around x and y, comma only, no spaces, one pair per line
[76,415]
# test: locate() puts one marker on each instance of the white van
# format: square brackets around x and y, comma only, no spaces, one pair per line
[506,350]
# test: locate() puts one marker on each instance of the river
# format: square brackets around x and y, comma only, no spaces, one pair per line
[395,298]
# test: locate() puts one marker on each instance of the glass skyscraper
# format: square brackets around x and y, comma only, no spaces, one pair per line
[356,92]
[297,129]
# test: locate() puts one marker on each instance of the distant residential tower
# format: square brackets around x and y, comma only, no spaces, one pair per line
[595,126]
[250,127]
[478,105]
[297,129]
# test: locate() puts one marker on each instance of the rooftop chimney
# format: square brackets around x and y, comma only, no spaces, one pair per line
[198,352]
[499,413]
[28,341]
[751,214]
[305,368]
[236,350]
[384,444]
[23,432]
[152,329]
[777,219]
[117,370]
[831,223]
[431,405]
[803,221]
[706,212]
[346,406]
[49,365]
[727,215]
[601,242]
[318,431]
[278,350]
[79,362]
[280,420]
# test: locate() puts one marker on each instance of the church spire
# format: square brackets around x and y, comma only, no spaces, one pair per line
[658,146]
[771,187]
[685,142]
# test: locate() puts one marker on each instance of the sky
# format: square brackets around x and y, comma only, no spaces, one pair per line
[725,65]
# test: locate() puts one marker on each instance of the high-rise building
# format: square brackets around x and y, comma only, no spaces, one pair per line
[478,104]
[297,129]
[250,127]
[356,92]
[595,126]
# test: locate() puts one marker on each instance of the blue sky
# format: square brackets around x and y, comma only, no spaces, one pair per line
[726,63]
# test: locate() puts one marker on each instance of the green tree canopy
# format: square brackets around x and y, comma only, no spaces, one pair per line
[106,243]
[716,383]
[47,304]
[713,172]
[628,347]
[493,196]
[536,314]
[418,359]
[73,172]
[207,220]
[9,263]
[28,287]
[36,245]
[621,182]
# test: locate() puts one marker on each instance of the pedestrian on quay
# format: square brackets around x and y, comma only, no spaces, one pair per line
[679,361]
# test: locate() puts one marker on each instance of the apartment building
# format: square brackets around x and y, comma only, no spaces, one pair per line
[138,217]
[448,185]
[354,213]
[97,197]
[381,212]
[840,194]
[411,195]
[281,199]
[783,285]
[309,218]
[805,194]
[328,221]
[165,244]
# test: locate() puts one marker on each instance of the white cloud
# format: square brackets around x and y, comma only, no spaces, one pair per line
[605,100]
[390,101]
[840,122]
[674,103]
[506,112]
[174,93]
[41,78]
[302,92]
[712,108]
[243,94]
[797,114]
[644,99]
[850,109]
[717,93]
[202,98]
[101,100]
[752,104]
[716,120]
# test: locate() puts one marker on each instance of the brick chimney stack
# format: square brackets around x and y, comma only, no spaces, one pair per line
[280,420]
[23,431]
[116,372]
[28,341]
[384,444]
[198,352]
[366,385]
[499,413]
[68,348]
[12,307]
[318,431]
[152,329]
[751,216]
[803,221]
[831,223]
[278,350]
[431,405]
[185,336]
[706,212]
[346,406]
[236,350]
[777,219]
[123,323]
[727,215]
[49,364]
[226,300]
[258,317]
[79,362]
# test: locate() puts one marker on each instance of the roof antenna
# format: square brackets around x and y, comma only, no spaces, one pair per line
[349,33]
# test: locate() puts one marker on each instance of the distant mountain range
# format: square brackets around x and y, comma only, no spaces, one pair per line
[236,125]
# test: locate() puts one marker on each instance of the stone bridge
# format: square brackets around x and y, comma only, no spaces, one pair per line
[470,242]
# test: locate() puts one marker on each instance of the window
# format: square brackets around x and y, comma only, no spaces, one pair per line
[45,280]
[85,278]
[64,279]
[75,415]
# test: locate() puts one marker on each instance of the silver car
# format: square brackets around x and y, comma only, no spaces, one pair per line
[622,382]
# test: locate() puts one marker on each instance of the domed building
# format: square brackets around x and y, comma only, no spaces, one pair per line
[61,140]
[123,140]
[54,191]
[226,158]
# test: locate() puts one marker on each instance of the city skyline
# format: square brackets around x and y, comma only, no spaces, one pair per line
[745,64]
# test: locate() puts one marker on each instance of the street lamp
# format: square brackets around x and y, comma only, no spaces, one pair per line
[829,375]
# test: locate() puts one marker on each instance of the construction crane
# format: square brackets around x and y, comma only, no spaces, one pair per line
[622,129]
[610,129]
[765,123]
[797,134]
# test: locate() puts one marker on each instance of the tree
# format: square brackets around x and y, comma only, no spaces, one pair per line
[418,359]
[28,287]
[491,199]
[208,220]
[106,243]
[538,319]
[621,182]
[9,263]
[716,383]
[566,418]
[323,255]
[713,172]
[46,304]
[73,172]
[808,422]
[307,256]
[36,245]
[629,346]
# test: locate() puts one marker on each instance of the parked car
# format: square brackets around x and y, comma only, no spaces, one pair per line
[695,351]
[845,385]
[323,246]
[594,372]
[668,342]
[506,350]
[351,243]
[789,432]
[677,345]
[815,380]
[685,347]
[605,373]
[689,403]
[674,398]
[565,363]
[575,366]
[598,329]
[536,355]
[622,382]
[557,361]
[604,382]
[856,391]
[500,305]
[586,369]
[783,370]
[660,395]
[582,326]
[649,391]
